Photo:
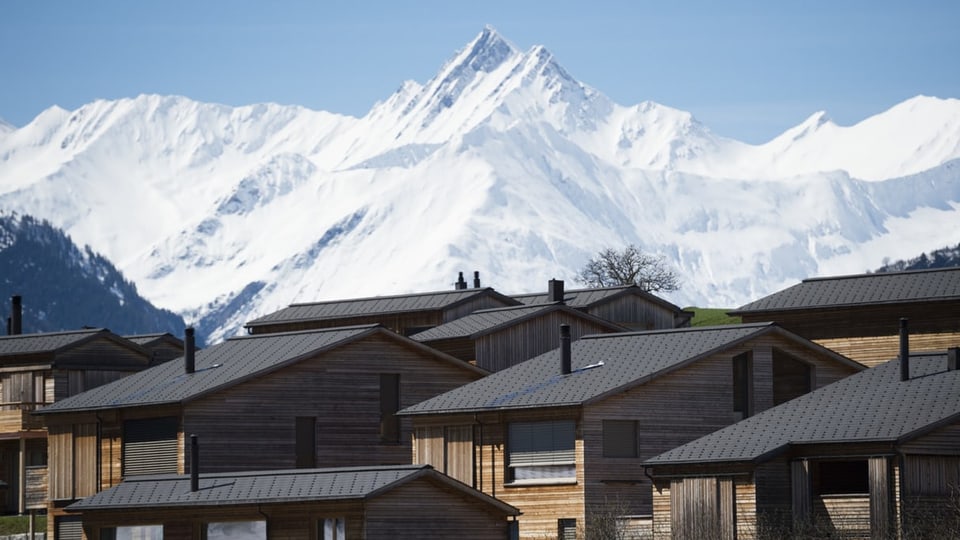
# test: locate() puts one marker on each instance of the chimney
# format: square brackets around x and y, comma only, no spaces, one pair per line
[476,279]
[953,358]
[555,290]
[461,283]
[194,464]
[190,349]
[16,316]
[904,351]
[565,361]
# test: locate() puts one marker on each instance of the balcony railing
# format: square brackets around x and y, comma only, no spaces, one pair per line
[15,416]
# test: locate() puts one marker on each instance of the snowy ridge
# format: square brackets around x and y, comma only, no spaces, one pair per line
[502,163]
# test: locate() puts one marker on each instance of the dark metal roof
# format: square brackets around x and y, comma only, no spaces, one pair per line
[486,321]
[147,339]
[862,289]
[269,487]
[47,342]
[222,365]
[871,406]
[602,364]
[378,305]
[586,298]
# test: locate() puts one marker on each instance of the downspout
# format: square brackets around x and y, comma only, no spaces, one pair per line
[99,454]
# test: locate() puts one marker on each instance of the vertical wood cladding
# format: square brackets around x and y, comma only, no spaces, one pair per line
[635,313]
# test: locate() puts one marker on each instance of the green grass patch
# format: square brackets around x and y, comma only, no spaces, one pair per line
[711,316]
[21,524]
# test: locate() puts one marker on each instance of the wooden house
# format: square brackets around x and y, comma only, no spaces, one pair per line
[627,305]
[563,435]
[857,315]
[875,455]
[38,370]
[322,398]
[387,502]
[163,346]
[405,314]
[496,339]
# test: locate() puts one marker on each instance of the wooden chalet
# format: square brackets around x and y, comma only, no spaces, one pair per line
[163,346]
[40,369]
[857,315]
[875,455]
[495,339]
[563,436]
[387,502]
[627,305]
[405,314]
[322,398]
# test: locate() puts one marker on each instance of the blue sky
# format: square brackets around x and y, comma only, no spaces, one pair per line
[747,70]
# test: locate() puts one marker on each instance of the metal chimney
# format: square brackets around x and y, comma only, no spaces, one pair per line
[476,279]
[194,464]
[16,315]
[555,290]
[953,358]
[190,349]
[461,283]
[565,360]
[904,351]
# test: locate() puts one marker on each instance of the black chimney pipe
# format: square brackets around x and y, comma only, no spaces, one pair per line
[555,290]
[461,283]
[16,316]
[565,360]
[194,464]
[476,279]
[190,350]
[953,358]
[904,351]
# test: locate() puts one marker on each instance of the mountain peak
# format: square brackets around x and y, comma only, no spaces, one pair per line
[486,52]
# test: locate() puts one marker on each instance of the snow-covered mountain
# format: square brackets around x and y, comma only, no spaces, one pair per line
[502,163]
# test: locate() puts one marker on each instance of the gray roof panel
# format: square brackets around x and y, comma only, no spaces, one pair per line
[378,305]
[221,365]
[269,487]
[862,289]
[485,321]
[585,298]
[46,342]
[871,406]
[601,364]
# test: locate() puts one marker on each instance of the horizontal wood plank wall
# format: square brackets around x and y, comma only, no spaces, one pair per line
[102,353]
[499,350]
[340,388]
[876,320]
[420,509]
[461,348]
[943,441]
[846,516]
[875,350]
[662,511]
[635,313]
[36,484]
[745,490]
[83,380]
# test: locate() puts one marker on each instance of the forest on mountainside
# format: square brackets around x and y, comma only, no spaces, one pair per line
[946,257]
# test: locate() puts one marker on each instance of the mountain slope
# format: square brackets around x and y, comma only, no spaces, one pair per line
[503,163]
[64,287]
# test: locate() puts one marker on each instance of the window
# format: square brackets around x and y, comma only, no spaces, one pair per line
[620,439]
[237,530]
[150,446]
[743,384]
[540,451]
[841,477]
[389,405]
[332,529]
[566,529]
[135,532]
[306,442]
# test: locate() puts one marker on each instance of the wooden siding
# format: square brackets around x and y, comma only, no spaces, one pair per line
[846,516]
[102,353]
[36,484]
[72,459]
[635,313]
[943,441]
[473,304]
[875,350]
[927,317]
[462,348]
[522,341]
[702,507]
[341,388]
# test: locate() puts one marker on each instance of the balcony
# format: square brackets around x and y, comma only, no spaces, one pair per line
[16,417]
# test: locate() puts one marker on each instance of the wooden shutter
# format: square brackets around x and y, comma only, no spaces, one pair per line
[69,528]
[459,453]
[150,446]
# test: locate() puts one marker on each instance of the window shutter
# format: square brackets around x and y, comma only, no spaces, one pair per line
[150,446]
[69,528]
[620,439]
[542,443]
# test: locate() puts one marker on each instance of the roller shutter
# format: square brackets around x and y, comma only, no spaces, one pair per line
[150,446]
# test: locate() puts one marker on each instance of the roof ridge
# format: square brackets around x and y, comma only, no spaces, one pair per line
[309,331]
[875,274]
[689,329]
[58,333]
[389,297]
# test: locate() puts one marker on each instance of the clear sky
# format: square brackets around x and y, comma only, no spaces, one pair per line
[747,70]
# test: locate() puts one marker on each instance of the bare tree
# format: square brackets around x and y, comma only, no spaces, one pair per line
[629,266]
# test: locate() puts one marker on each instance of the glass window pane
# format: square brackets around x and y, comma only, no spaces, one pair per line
[237,530]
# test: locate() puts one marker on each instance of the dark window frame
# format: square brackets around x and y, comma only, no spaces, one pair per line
[620,438]
[742,373]
[389,405]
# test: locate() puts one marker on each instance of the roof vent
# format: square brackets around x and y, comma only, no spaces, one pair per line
[555,290]
[565,359]
[194,464]
[16,316]
[953,358]
[190,349]
[476,279]
[461,283]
